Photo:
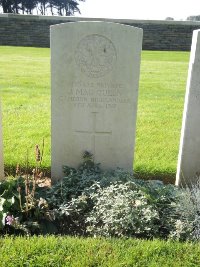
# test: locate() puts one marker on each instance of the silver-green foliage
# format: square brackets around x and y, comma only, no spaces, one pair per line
[122,210]
[116,204]
[187,211]
[136,208]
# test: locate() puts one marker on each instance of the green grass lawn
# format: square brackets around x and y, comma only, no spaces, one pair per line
[25,92]
[68,251]
[161,99]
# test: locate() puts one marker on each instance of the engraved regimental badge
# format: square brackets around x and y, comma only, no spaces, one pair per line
[95,55]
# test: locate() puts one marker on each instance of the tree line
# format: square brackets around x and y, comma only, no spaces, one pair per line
[41,7]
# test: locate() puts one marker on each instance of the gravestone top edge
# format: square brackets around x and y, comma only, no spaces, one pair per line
[194,58]
[114,24]
[196,31]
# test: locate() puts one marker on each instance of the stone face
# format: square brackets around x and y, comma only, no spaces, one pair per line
[95,75]
[1,149]
[189,154]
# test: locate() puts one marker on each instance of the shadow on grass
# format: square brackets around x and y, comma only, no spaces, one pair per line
[10,170]
[166,177]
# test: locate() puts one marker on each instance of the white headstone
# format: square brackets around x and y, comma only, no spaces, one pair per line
[95,76]
[1,149]
[189,153]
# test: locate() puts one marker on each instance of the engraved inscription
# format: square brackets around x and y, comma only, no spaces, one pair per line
[96,95]
[95,55]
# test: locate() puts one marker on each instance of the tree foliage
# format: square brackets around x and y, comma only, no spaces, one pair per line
[194,18]
[41,7]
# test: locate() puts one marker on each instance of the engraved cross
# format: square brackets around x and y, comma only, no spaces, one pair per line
[94,133]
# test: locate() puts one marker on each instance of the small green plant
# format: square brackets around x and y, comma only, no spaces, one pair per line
[22,206]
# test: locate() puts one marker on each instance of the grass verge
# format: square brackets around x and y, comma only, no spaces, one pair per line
[69,251]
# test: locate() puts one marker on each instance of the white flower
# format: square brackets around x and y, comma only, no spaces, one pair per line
[138,203]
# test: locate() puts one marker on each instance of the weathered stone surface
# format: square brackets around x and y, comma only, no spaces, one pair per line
[1,149]
[189,154]
[95,74]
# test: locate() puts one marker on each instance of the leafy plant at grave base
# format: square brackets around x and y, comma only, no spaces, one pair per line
[76,181]
[187,224]
[89,201]
[8,199]
[132,210]
[22,208]
[70,198]
[122,210]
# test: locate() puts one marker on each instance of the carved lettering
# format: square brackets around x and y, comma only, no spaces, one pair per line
[96,95]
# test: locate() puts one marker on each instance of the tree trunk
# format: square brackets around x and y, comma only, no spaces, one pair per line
[6,5]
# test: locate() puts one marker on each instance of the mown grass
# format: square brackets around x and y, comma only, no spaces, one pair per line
[25,91]
[69,251]
[160,107]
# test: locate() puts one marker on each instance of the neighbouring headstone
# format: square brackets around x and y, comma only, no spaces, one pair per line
[1,149]
[189,153]
[95,74]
